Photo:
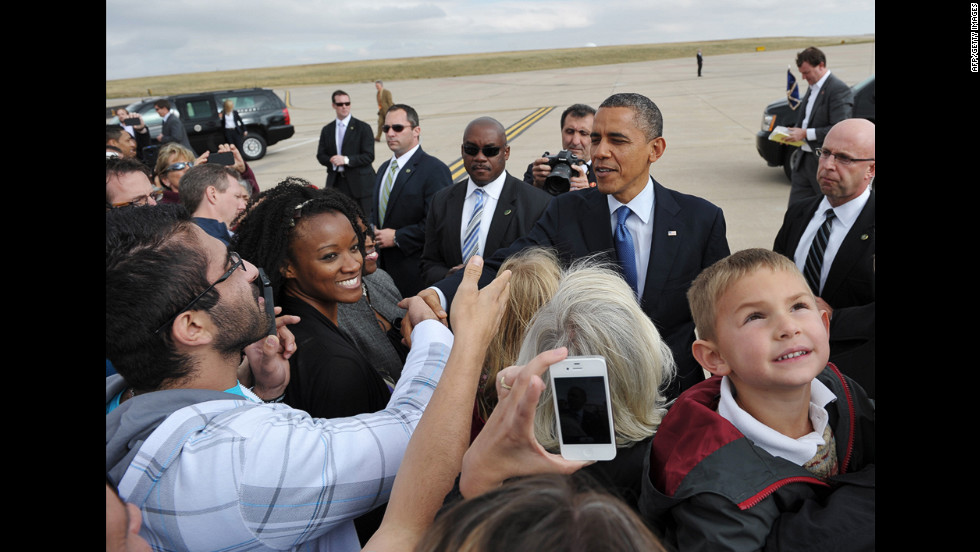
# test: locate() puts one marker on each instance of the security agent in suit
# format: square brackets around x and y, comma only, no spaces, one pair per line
[403,192]
[487,211]
[844,278]
[674,235]
[576,131]
[828,101]
[173,129]
[349,167]
[384,104]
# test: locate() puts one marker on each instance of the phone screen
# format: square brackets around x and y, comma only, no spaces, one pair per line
[582,410]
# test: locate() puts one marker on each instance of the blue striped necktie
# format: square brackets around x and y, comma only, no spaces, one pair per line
[471,243]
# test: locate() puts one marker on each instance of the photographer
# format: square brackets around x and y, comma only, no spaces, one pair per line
[576,130]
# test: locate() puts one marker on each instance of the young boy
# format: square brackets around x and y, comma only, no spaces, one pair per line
[777,450]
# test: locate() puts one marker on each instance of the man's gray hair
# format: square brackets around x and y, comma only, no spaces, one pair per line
[594,312]
[646,114]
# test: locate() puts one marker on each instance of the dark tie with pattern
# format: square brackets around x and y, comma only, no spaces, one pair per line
[814,259]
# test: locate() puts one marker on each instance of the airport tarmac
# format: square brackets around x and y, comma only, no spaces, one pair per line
[709,122]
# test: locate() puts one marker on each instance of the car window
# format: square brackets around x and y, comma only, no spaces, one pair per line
[248,103]
[200,108]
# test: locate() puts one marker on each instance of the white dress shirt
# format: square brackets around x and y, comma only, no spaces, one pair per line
[798,451]
[811,133]
[844,218]
[492,191]
[640,225]
[342,124]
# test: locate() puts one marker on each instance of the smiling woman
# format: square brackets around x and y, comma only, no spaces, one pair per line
[312,252]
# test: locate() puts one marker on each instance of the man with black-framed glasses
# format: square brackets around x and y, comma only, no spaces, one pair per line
[127,183]
[403,192]
[211,463]
[489,210]
[832,240]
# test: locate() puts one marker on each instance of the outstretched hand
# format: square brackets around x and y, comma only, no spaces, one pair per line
[476,313]
[507,447]
[268,359]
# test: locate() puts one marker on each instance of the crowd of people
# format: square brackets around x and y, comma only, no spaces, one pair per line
[364,366]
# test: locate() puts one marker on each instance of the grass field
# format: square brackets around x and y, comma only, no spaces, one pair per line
[451,66]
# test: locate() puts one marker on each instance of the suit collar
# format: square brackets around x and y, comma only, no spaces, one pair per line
[665,244]
[406,171]
[853,249]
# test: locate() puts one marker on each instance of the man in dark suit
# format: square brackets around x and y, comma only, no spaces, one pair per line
[484,213]
[828,101]
[403,191]
[662,239]
[349,167]
[173,129]
[576,131]
[836,250]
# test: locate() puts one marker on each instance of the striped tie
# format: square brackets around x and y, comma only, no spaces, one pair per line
[386,191]
[814,259]
[471,245]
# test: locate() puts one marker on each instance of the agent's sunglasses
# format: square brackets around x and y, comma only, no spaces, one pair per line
[489,151]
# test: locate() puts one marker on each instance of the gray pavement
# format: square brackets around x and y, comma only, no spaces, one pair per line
[709,123]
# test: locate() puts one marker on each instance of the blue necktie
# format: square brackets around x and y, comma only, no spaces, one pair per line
[624,247]
[471,245]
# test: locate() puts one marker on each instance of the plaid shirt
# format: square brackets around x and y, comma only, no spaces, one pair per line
[243,475]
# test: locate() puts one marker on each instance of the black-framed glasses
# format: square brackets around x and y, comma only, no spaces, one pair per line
[489,151]
[841,158]
[236,261]
[155,195]
[398,128]
[342,104]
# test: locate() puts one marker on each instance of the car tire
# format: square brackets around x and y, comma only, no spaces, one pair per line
[253,147]
[788,163]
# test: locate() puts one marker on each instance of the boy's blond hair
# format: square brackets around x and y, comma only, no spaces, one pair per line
[715,280]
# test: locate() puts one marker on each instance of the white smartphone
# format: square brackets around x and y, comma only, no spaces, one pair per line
[583,408]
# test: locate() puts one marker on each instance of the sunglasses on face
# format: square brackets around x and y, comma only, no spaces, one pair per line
[342,104]
[179,166]
[489,151]
[397,128]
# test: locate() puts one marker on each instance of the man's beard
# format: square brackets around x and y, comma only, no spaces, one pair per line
[240,323]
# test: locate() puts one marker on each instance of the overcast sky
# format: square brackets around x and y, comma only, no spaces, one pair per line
[184,36]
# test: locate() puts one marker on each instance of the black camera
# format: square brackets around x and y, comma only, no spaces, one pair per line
[561,171]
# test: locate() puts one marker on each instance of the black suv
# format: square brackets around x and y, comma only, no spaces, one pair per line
[264,114]
[780,114]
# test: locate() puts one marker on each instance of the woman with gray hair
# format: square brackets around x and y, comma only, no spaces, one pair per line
[594,312]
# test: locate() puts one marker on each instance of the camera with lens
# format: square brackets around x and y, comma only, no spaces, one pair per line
[558,181]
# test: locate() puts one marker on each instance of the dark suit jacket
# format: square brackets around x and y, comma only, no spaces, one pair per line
[834,104]
[173,131]
[688,236]
[358,176]
[519,207]
[850,287]
[417,183]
